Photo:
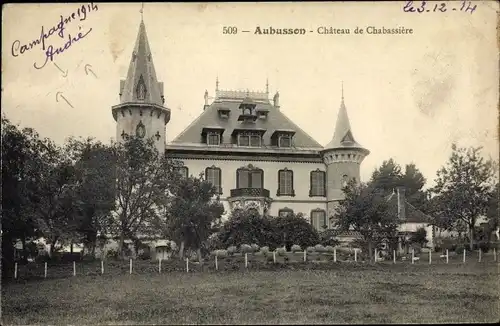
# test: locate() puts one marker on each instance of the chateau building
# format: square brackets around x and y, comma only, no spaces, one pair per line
[244,144]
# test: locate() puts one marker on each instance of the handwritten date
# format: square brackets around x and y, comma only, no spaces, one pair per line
[425,6]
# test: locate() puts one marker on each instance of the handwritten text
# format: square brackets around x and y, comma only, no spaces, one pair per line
[51,52]
[59,29]
[423,6]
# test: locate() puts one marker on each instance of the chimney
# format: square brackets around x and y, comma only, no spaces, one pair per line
[401,203]
[276,100]
[206,101]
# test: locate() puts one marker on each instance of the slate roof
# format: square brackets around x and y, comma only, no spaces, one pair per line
[141,72]
[231,100]
[343,136]
[413,215]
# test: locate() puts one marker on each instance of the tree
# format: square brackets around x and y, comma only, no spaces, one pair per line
[389,176]
[365,210]
[20,176]
[54,203]
[143,179]
[95,190]
[294,229]
[419,237]
[193,213]
[247,226]
[463,189]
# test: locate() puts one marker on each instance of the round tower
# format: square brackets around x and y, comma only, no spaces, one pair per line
[343,157]
[141,111]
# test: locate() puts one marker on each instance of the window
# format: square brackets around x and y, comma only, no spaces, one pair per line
[285,183]
[284,212]
[345,180]
[249,178]
[213,175]
[213,138]
[183,171]
[285,141]
[318,219]
[243,140]
[249,140]
[317,183]
[255,140]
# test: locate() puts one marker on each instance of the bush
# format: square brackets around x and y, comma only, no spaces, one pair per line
[255,247]
[264,250]
[329,249]
[232,250]
[281,251]
[245,226]
[296,248]
[484,246]
[221,253]
[327,240]
[310,249]
[294,229]
[112,253]
[244,248]
[319,248]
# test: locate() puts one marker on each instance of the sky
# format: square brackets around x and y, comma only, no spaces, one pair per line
[409,97]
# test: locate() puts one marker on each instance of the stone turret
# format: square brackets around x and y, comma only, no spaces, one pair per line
[343,157]
[141,111]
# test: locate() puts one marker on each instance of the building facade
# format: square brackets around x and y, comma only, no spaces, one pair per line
[244,144]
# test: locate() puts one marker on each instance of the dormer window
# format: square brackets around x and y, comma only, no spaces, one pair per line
[213,138]
[262,113]
[223,113]
[212,135]
[282,138]
[247,108]
[250,138]
[285,141]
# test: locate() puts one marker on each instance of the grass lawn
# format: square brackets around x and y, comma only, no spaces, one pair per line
[342,293]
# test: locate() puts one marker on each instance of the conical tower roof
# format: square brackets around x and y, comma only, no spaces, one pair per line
[141,84]
[343,136]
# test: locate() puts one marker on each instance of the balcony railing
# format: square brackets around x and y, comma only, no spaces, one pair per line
[250,192]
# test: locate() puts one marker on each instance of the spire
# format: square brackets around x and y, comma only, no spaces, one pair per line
[142,12]
[217,84]
[267,85]
[342,92]
[342,136]
[141,84]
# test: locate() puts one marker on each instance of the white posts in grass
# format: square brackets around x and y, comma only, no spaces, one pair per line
[74,268]
[447,256]
[494,254]
[355,254]
[216,263]
[246,260]
[45,271]
[413,255]
[102,266]
[274,256]
[305,256]
[130,268]
[430,256]
[394,256]
[159,265]
[479,255]
[375,258]
[15,271]
[464,255]
[334,255]
[187,265]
